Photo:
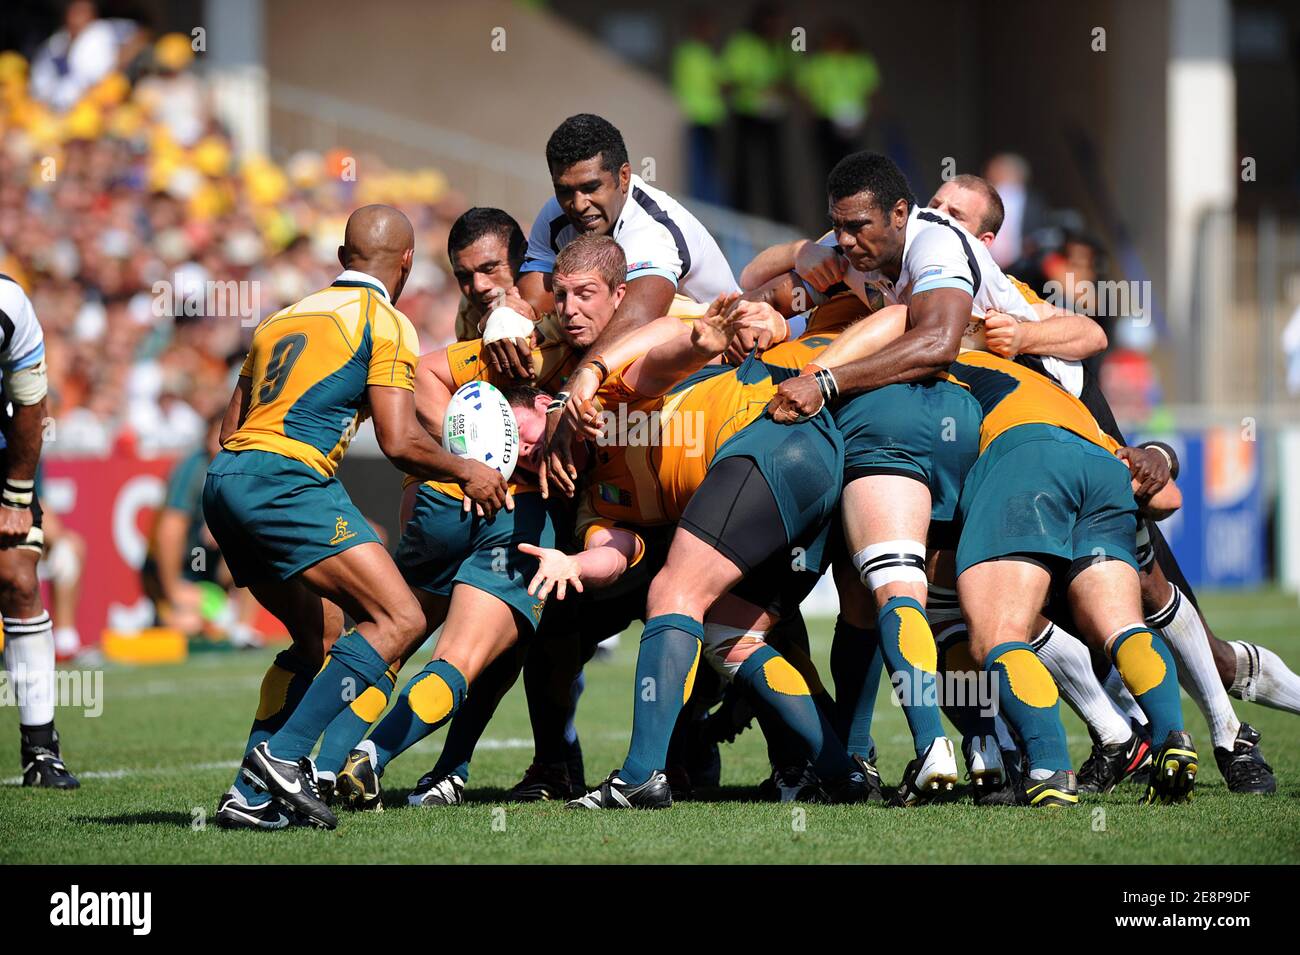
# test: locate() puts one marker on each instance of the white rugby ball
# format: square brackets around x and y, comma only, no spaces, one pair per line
[480,425]
[503,322]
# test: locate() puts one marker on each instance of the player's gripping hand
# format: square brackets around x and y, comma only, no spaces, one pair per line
[1002,334]
[15,523]
[555,569]
[819,265]
[558,469]
[712,332]
[485,490]
[512,357]
[796,399]
[761,326]
[1150,470]
[580,410]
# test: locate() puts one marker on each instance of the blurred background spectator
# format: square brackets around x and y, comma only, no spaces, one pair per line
[698,83]
[758,64]
[1024,212]
[838,78]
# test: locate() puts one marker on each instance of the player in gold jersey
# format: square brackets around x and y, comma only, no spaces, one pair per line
[684,443]
[285,524]
[469,575]
[1050,503]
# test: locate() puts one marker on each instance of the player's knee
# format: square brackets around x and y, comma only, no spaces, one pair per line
[670,593]
[20,590]
[1156,591]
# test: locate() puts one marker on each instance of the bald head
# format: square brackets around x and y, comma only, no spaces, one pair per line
[379,240]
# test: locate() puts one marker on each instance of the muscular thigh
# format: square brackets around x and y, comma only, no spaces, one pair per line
[1000,600]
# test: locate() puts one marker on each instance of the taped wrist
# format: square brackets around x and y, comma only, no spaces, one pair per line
[17,493]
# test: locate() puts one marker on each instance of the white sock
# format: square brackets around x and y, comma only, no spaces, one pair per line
[1070,664]
[1182,628]
[1122,698]
[1262,677]
[29,658]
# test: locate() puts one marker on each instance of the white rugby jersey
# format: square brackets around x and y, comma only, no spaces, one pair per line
[658,236]
[22,343]
[939,253]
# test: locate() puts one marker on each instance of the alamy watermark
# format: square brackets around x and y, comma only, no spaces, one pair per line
[79,689]
[208,299]
[640,429]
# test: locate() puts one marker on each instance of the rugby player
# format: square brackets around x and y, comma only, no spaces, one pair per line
[597,283]
[668,250]
[903,449]
[1071,543]
[28,635]
[748,493]
[486,247]
[1167,598]
[286,526]
[1050,503]
[469,577]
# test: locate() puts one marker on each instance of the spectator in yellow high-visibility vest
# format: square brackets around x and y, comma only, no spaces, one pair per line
[758,65]
[697,83]
[838,79]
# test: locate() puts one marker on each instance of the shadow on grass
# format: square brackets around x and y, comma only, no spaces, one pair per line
[138,819]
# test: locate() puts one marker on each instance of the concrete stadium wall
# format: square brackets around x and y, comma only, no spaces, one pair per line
[422,62]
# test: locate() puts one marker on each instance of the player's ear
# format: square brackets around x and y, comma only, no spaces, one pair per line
[624,176]
[619,291]
[342,260]
[900,212]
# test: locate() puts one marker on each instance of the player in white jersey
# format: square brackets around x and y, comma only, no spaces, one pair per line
[668,250]
[28,636]
[669,253]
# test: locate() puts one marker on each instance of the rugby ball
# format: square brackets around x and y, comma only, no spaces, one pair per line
[480,425]
[503,322]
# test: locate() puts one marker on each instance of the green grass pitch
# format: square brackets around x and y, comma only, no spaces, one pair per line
[154,763]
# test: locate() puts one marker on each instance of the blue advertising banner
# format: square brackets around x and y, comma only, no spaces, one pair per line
[1220,535]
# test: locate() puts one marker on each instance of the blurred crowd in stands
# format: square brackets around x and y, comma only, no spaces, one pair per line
[123,205]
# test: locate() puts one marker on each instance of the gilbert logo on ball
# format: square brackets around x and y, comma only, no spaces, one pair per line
[480,424]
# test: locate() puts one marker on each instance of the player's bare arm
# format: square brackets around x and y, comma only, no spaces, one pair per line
[608,554]
[936,319]
[433,389]
[535,289]
[237,410]
[647,298]
[927,348]
[24,451]
[769,263]
[656,372]
[1060,334]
